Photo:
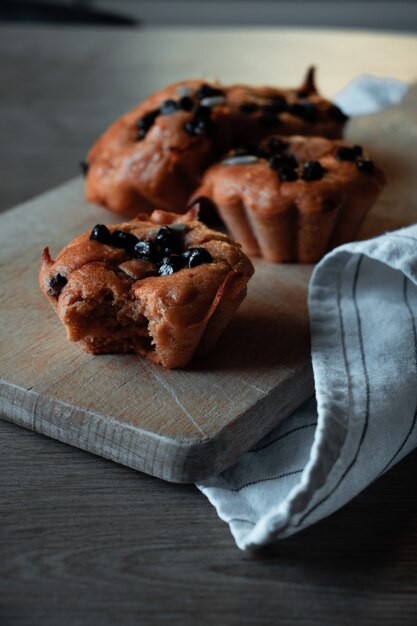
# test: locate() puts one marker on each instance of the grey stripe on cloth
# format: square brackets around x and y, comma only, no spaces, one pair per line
[363,310]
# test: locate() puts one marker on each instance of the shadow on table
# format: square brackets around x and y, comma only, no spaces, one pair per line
[377,527]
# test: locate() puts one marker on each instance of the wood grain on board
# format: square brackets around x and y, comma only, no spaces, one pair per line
[180,425]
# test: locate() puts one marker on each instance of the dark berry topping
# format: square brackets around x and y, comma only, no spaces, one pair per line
[312,170]
[276,145]
[198,125]
[191,128]
[206,211]
[197,256]
[121,239]
[186,103]
[203,112]
[169,106]
[283,161]
[248,107]
[206,91]
[291,161]
[167,241]
[306,110]
[357,150]
[365,165]
[84,166]
[280,101]
[269,110]
[287,175]
[101,234]
[56,285]
[269,119]
[346,154]
[201,121]
[170,264]
[337,114]
[262,154]
[277,105]
[144,250]
[146,122]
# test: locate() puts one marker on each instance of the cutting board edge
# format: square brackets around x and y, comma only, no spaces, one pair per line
[173,460]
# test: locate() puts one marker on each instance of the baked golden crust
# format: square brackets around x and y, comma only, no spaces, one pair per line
[131,170]
[112,302]
[293,220]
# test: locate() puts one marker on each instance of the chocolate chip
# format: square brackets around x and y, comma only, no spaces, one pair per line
[146,122]
[169,106]
[306,110]
[287,174]
[167,241]
[186,103]
[206,91]
[191,128]
[144,250]
[197,256]
[56,285]
[358,150]
[101,234]
[203,112]
[262,154]
[283,161]
[276,145]
[206,211]
[170,264]
[248,107]
[84,167]
[278,104]
[345,154]
[365,165]
[121,239]
[291,160]
[312,170]
[269,119]
[337,114]
[269,110]
[198,125]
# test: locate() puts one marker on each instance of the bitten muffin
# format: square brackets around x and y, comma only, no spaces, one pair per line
[293,198]
[163,287]
[154,156]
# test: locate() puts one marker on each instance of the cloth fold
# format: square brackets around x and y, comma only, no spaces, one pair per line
[363,316]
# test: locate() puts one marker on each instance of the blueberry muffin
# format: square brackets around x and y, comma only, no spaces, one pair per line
[163,287]
[293,198]
[154,156]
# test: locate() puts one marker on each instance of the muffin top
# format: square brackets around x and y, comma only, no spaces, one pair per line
[159,252]
[313,173]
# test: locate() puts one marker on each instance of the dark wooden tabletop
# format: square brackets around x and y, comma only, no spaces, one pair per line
[84,541]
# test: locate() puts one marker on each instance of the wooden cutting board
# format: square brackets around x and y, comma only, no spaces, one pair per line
[181,425]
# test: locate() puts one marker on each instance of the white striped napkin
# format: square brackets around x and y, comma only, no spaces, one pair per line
[363,316]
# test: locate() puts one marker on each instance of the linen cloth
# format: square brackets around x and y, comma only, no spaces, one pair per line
[362,302]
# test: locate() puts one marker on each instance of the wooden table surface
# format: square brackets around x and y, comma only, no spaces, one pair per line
[84,541]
